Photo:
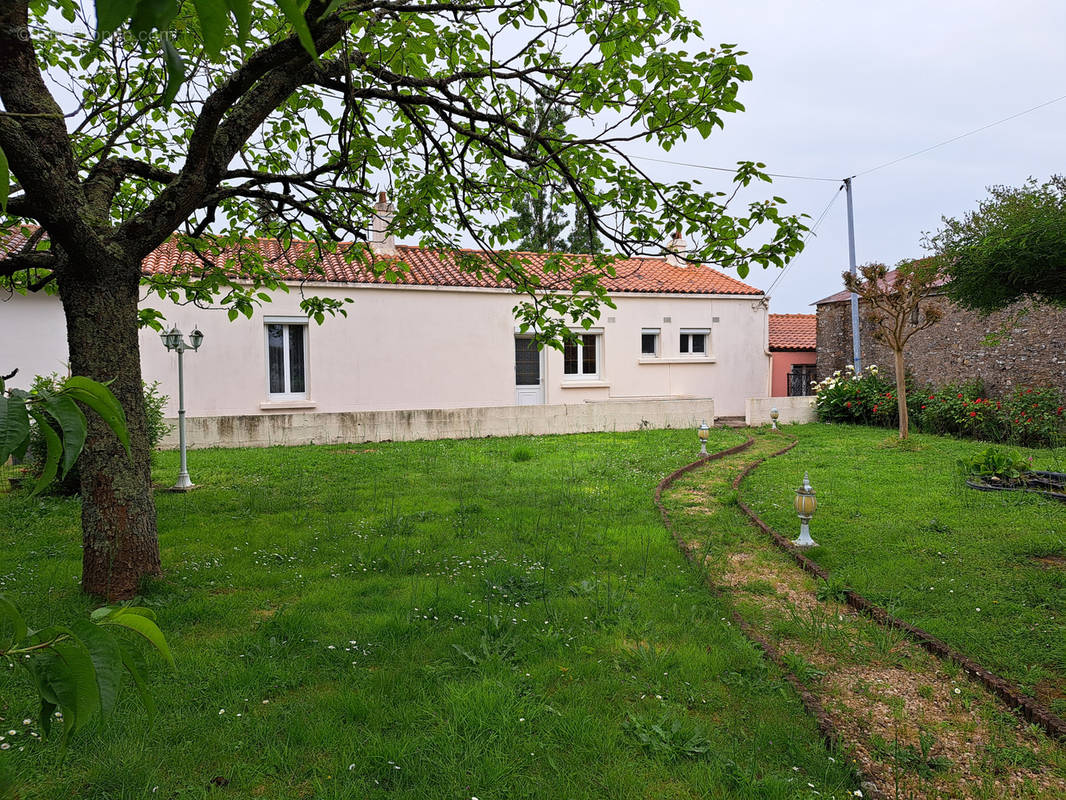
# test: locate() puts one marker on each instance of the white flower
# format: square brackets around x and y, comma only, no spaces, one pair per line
[221,711]
[857,793]
[958,690]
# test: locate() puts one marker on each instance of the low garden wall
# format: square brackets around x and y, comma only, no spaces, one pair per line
[790,409]
[265,430]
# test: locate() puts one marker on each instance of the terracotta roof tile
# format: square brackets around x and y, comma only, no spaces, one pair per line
[427,267]
[793,331]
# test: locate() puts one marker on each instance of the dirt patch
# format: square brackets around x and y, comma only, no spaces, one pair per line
[1051,562]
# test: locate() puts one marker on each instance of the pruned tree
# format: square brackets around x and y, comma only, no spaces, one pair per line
[898,305]
[219,121]
[1012,247]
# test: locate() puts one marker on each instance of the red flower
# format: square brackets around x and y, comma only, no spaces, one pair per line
[1034,405]
[847,404]
[932,397]
[999,406]
[923,406]
[875,409]
[1028,391]
[973,413]
[960,396]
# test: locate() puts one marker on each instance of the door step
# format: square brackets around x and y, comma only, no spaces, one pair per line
[730,422]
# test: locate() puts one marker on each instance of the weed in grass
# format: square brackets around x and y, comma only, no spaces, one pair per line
[918,760]
[521,454]
[804,670]
[834,588]
[668,737]
[760,587]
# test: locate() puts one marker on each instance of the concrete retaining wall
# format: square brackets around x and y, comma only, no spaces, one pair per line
[791,409]
[265,430]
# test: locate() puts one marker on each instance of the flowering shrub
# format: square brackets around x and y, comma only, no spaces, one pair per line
[1028,416]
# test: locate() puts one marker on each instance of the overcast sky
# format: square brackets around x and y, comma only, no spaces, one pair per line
[841,87]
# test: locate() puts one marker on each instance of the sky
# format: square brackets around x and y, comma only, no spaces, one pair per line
[842,87]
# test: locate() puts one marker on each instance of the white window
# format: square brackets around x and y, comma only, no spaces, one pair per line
[649,343]
[694,341]
[286,358]
[581,357]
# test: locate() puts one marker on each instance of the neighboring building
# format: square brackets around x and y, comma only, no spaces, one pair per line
[441,338]
[1006,349]
[793,350]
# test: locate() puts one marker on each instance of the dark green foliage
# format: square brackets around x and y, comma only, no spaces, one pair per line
[668,737]
[1027,417]
[1012,246]
[68,483]
[992,462]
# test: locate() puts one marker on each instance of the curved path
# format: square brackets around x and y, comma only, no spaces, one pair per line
[913,722]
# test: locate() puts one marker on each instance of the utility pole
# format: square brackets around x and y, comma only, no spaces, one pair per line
[856,352]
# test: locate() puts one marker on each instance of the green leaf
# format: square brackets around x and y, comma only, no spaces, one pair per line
[9,613]
[293,11]
[53,451]
[175,71]
[106,656]
[133,661]
[110,14]
[145,627]
[78,675]
[242,12]
[71,423]
[99,398]
[213,23]
[14,425]
[5,181]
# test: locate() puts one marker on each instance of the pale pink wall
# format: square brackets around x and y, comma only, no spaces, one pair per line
[782,365]
[423,348]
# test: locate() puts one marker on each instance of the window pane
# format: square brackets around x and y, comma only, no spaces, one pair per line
[648,344]
[699,343]
[684,342]
[570,358]
[588,354]
[296,358]
[276,359]
[526,362]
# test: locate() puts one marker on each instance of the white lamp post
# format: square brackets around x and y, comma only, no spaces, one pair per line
[805,506]
[703,432]
[174,340]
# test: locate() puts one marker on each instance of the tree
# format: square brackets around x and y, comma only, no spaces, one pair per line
[539,218]
[158,119]
[1012,246]
[583,238]
[898,306]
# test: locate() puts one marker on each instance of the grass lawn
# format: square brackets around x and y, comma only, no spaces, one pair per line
[496,618]
[984,571]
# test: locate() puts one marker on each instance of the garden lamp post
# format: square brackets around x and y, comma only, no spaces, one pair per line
[703,432]
[774,414]
[805,506]
[174,340]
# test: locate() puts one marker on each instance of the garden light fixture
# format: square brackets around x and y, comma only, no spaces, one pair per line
[174,340]
[703,432]
[805,506]
[774,414]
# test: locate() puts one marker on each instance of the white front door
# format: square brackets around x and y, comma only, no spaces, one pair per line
[529,375]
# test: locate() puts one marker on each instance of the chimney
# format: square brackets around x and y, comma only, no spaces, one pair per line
[677,247]
[381,238]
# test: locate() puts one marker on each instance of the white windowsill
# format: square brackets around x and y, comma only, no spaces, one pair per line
[679,360]
[584,385]
[279,404]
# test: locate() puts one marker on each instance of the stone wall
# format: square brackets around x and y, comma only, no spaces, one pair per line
[265,430]
[960,347]
[789,410]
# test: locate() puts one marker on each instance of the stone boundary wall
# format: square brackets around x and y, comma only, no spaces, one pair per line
[266,430]
[1032,353]
[790,409]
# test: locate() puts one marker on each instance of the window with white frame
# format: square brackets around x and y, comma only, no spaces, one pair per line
[649,343]
[286,358]
[581,356]
[694,341]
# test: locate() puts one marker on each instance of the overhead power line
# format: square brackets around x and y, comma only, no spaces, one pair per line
[960,136]
[733,169]
[810,233]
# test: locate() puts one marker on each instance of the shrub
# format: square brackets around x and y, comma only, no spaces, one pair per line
[1027,417]
[154,404]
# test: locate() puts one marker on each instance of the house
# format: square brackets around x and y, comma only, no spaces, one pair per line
[1023,345]
[793,350]
[684,343]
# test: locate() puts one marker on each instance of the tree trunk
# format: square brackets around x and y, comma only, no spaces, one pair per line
[901,396]
[120,544]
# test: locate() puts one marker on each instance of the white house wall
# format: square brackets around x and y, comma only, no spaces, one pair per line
[414,347]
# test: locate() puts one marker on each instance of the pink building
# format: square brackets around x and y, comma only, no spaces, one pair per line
[793,352]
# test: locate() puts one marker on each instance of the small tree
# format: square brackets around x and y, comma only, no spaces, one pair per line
[898,306]
[1012,246]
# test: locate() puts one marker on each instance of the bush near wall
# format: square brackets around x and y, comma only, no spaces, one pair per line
[1027,416]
